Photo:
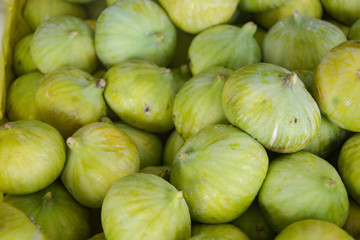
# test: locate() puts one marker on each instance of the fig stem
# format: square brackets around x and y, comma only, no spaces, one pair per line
[70,142]
[9,125]
[291,79]
[101,83]
[48,197]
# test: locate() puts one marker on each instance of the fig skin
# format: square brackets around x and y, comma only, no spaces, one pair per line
[98,155]
[15,224]
[132,205]
[336,85]
[20,102]
[38,11]
[171,146]
[352,224]
[64,41]
[260,6]
[55,211]
[272,105]
[347,11]
[35,146]
[141,94]
[354,31]
[127,22]
[69,98]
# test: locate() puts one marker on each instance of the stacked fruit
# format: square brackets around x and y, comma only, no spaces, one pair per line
[182,119]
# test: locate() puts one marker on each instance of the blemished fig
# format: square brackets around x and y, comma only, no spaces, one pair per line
[193,16]
[134,29]
[69,98]
[225,46]
[55,211]
[20,102]
[64,41]
[220,171]
[272,105]
[301,186]
[141,93]
[132,205]
[98,155]
[35,146]
[198,103]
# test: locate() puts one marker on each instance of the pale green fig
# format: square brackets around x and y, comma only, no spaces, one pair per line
[55,211]
[260,6]
[352,224]
[313,229]
[301,186]
[224,231]
[343,27]
[99,236]
[38,11]
[20,102]
[145,206]
[220,171]
[171,146]
[272,105]
[193,16]
[64,41]
[32,156]
[307,8]
[69,98]
[328,139]
[98,155]
[345,11]
[22,59]
[80,1]
[198,103]
[225,46]
[15,224]
[306,77]
[348,165]
[259,36]
[134,29]
[336,85]
[253,223]
[299,37]
[161,171]
[149,144]
[141,94]
[354,31]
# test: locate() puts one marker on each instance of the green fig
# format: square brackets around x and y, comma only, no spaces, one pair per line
[32,156]
[198,103]
[161,171]
[22,59]
[354,31]
[216,231]
[299,42]
[352,224]
[55,211]
[132,29]
[193,16]
[145,206]
[220,171]
[99,236]
[64,41]
[345,11]
[301,186]
[141,94]
[69,98]
[260,6]
[225,46]
[38,11]
[272,105]
[98,155]
[20,102]
[171,146]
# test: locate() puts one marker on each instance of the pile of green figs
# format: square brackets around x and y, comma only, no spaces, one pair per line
[182,119]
